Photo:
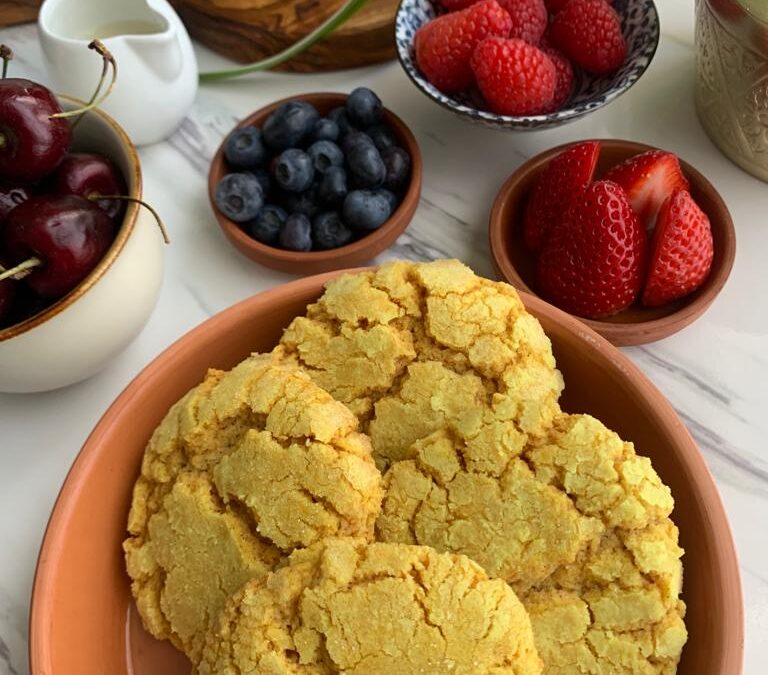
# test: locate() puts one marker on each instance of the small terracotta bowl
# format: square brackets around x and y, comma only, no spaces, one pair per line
[314,262]
[635,325]
[83,620]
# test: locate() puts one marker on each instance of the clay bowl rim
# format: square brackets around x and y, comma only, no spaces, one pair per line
[369,245]
[121,238]
[661,413]
[627,333]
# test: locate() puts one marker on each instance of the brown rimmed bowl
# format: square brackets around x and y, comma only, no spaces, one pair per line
[83,619]
[637,324]
[314,262]
[82,332]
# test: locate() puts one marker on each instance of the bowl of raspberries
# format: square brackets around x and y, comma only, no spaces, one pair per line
[525,64]
[316,182]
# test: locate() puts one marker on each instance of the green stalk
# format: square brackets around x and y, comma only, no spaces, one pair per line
[333,22]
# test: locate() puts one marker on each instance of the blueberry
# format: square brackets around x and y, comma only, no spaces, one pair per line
[239,197]
[296,234]
[333,187]
[289,125]
[266,228]
[353,139]
[325,154]
[398,164]
[364,107]
[382,136]
[329,231]
[293,170]
[391,197]
[244,148]
[305,203]
[339,115]
[365,210]
[366,166]
[262,175]
[325,130]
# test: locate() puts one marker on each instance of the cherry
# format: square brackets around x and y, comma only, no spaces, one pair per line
[7,295]
[11,196]
[32,142]
[57,240]
[90,176]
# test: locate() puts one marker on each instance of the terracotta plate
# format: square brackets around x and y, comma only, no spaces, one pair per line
[83,621]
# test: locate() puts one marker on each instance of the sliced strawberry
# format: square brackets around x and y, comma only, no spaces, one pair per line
[648,179]
[593,261]
[565,176]
[681,251]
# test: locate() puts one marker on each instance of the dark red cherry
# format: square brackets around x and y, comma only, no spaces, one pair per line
[7,295]
[68,234]
[11,196]
[90,175]
[32,143]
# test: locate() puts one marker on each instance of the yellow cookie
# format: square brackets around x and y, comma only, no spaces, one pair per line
[412,348]
[346,606]
[475,496]
[616,608]
[246,467]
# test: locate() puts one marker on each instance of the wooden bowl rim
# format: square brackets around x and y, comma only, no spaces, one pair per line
[636,332]
[372,243]
[728,581]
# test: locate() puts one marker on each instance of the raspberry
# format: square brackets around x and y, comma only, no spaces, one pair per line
[529,19]
[445,45]
[563,82]
[589,33]
[554,6]
[453,5]
[514,77]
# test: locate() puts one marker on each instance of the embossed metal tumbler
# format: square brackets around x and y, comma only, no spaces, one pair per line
[732,81]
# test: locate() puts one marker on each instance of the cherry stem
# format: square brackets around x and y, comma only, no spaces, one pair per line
[96,100]
[22,269]
[163,231]
[6,54]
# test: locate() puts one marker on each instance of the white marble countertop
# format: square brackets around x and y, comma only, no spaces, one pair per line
[715,372]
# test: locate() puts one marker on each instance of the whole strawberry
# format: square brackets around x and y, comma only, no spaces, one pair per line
[529,19]
[514,77]
[589,33]
[563,81]
[593,261]
[565,177]
[681,251]
[445,45]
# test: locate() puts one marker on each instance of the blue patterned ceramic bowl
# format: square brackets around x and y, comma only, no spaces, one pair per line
[640,22]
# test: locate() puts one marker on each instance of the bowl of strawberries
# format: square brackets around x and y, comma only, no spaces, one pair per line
[525,64]
[629,238]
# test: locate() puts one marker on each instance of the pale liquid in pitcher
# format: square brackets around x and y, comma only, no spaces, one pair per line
[121,27]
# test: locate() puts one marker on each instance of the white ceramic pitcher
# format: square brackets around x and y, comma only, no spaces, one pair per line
[157,69]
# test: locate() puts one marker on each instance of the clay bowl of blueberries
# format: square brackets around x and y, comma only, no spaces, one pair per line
[79,273]
[629,238]
[316,182]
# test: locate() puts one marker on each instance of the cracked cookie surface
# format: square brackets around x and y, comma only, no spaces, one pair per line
[346,606]
[615,609]
[246,467]
[577,523]
[412,348]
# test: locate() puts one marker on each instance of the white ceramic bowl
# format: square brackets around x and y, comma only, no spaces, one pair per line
[78,335]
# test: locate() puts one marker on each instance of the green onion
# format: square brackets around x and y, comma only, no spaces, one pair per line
[333,22]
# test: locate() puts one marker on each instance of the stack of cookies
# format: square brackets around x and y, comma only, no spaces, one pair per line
[395,490]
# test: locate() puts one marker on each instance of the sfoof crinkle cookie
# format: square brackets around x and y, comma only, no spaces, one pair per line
[476,496]
[616,608]
[246,467]
[415,347]
[346,606]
